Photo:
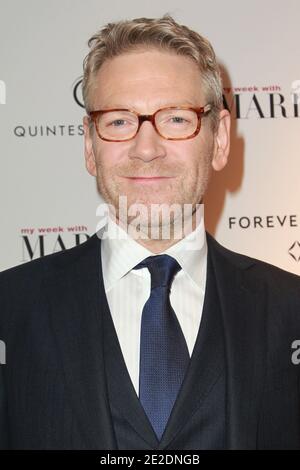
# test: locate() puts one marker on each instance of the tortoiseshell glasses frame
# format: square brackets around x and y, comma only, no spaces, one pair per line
[200,111]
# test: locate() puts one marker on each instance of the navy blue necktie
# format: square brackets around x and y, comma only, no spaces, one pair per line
[164,355]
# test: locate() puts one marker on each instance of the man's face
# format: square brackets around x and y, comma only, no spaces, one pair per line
[146,81]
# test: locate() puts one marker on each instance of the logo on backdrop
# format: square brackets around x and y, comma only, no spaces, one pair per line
[263,222]
[258,222]
[41,241]
[263,102]
[54,129]
[294,251]
[77,93]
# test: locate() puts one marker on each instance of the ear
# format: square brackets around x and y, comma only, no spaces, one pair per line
[222,141]
[90,161]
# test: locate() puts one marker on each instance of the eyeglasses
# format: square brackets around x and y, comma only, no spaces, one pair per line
[172,123]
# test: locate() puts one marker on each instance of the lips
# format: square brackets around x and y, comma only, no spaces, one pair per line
[148,179]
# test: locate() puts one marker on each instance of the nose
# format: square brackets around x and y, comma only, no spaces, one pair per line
[147,144]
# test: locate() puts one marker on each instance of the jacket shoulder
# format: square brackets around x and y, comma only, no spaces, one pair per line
[34,269]
[24,279]
[266,272]
[23,287]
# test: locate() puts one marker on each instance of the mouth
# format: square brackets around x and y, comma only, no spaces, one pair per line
[148,179]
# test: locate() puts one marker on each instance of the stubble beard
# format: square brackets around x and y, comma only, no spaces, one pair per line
[155,219]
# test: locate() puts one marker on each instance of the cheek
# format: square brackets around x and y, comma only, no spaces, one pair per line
[106,159]
[197,166]
[189,158]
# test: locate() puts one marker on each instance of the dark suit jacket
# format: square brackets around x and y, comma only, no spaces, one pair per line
[53,393]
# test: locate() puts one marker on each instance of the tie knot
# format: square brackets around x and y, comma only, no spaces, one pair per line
[162,269]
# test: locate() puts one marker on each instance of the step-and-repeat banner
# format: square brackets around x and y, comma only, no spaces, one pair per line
[49,201]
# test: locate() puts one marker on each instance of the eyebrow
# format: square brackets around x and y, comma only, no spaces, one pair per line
[159,105]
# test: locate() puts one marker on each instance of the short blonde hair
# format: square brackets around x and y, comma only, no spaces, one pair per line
[163,33]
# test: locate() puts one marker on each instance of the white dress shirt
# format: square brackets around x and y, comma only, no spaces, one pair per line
[127,290]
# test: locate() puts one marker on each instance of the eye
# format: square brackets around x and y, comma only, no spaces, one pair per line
[178,119]
[116,122]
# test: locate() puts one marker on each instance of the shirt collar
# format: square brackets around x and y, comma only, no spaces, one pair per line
[120,252]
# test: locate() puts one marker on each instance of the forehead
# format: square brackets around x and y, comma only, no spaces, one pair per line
[147,78]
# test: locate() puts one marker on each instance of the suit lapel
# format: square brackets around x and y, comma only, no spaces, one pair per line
[243,306]
[73,289]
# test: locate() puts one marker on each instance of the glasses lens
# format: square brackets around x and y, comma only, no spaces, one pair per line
[118,125]
[176,123]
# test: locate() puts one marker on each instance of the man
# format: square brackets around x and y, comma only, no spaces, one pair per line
[136,341]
